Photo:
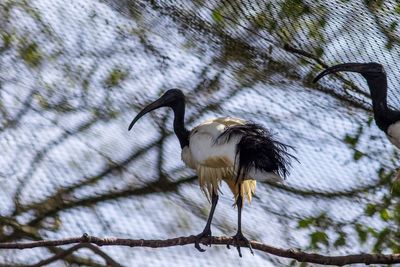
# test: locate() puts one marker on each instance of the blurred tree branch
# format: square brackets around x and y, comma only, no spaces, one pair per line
[61,255]
[88,241]
[32,233]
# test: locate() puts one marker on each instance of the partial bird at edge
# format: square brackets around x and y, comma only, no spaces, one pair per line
[387,119]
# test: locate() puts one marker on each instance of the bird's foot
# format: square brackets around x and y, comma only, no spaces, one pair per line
[206,233]
[238,238]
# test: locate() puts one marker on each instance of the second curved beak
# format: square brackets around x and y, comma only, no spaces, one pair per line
[362,68]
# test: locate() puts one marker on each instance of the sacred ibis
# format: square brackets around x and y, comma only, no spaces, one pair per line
[227,149]
[387,119]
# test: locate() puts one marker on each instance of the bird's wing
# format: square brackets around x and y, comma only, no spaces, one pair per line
[261,157]
[248,149]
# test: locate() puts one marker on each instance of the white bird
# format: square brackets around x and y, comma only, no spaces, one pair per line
[232,150]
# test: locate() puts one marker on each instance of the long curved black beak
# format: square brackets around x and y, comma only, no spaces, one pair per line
[352,67]
[161,102]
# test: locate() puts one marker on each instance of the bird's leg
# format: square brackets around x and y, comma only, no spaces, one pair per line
[207,230]
[239,237]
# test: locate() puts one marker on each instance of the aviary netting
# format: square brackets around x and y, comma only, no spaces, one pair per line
[73,74]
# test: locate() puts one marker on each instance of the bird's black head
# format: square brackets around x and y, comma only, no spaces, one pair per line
[373,72]
[369,71]
[375,75]
[170,98]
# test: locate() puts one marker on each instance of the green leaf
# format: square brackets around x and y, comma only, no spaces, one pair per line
[115,77]
[271,25]
[397,8]
[30,54]
[372,231]
[42,101]
[319,238]
[294,8]
[389,45]
[374,3]
[370,209]
[381,240]
[395,249]
[385,215]
[385,176]
[341,240]
[305,223]
[217,16]
[351,140]
[319,51]
[7,39]
[396,188]
[370,120]
[393,25]
[358,155]
[362,233]
[260,20]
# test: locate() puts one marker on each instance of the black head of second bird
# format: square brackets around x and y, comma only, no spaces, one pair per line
[375,75]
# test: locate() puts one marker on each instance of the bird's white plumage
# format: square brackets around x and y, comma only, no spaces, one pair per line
[394,134]
[203,145]
[217,161]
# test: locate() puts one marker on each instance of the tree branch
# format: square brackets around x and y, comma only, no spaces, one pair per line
[58,256]
[110,261]
[64,253]
[181,241]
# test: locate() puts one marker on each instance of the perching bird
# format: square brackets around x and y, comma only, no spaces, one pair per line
[225,149]
[387,119]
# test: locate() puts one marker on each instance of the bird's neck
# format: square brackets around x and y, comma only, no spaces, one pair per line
[384,116]
[179,124]
[379,100]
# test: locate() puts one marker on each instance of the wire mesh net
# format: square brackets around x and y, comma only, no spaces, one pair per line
[73,74]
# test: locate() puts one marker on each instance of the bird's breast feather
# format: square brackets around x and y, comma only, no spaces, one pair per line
[394,134]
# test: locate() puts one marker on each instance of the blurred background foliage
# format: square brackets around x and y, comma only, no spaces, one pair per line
[73,74]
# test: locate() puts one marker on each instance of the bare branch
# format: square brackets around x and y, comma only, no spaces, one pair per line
[181,241]
[58,256]
[64,253]
[110,261]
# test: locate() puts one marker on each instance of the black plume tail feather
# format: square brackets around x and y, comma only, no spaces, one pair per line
[259,150]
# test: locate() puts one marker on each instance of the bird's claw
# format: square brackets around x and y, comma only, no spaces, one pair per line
[197,246]
[239,237]
[206,233]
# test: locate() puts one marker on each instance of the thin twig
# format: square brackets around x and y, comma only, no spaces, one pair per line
[110,261]
[58,256]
